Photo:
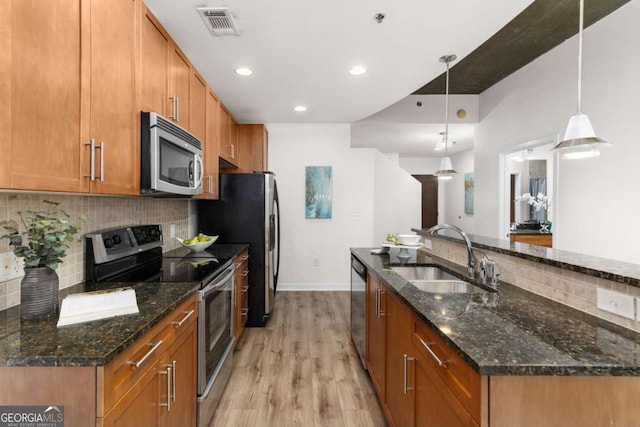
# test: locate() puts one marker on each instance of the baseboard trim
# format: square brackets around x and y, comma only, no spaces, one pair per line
[285,287]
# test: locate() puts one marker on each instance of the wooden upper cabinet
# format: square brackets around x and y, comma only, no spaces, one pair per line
[211,150]
[115,118]
[73,87]
[198,106]
[48,62]
[225,131]
[178,99]
[253,143]
[154,64]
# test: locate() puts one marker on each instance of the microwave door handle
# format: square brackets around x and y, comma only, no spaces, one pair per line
[199,171]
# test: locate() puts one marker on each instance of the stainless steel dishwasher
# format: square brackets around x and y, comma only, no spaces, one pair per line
[359,308]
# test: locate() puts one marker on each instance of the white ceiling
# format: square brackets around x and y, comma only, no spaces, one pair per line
[300,52]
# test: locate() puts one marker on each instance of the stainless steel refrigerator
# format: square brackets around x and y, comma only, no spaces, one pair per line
[248,212]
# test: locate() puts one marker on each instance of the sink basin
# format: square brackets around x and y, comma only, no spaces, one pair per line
[446,286]
[421,273]
[433,280]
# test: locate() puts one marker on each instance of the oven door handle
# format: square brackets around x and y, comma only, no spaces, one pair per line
[217,283]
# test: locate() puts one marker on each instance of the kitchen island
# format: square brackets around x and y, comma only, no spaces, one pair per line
[522,358]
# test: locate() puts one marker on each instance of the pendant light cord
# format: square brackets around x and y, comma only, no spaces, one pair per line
[446,113]
[580,56]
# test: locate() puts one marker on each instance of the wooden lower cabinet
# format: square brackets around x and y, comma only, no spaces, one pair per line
[376,336]
[399,362]
[159,390]
[241,303]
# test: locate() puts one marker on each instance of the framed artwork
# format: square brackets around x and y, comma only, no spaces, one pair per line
[468,193]
[317,202]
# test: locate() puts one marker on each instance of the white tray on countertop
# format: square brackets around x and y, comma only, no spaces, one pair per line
[88,306]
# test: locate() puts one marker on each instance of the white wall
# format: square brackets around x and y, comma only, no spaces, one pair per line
[453,190]
[397,200]
[362,178]
[598,198]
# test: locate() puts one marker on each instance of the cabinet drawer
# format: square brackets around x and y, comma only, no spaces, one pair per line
[131,365]
[459,377]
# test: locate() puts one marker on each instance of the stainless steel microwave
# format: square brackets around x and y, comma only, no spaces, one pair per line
[170,158]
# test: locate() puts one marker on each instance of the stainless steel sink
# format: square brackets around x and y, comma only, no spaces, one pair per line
[433,280]
[419,272]
[446,286]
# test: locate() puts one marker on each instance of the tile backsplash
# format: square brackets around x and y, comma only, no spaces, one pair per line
[102,213]
[570,288]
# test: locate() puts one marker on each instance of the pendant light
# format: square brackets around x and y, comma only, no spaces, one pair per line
[446,168]
[580,140]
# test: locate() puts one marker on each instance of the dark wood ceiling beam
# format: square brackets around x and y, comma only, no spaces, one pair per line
[536,30]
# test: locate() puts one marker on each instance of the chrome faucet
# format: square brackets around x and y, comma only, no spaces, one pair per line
[472,260]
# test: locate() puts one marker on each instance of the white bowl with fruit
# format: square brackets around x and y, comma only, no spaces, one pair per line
[197,243]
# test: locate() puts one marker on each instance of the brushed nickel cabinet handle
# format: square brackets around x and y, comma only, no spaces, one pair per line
[154,347]
[404,373]
[184,319]
[439,361]
[92,163]
[177,108]
[173,381]
[101,161]
[245,311]
[169,375]
[245,289]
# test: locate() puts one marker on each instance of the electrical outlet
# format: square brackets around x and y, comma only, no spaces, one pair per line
[11,267]
[316,261]
[172,232]
[616,303]
[427,243]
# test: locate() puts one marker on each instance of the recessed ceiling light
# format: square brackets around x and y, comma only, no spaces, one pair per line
[300,108]
[358,70]
[243,71]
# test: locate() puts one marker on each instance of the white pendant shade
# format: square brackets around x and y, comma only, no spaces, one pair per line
[580,140]
[446,169]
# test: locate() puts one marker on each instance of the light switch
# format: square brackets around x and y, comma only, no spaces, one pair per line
[616,303]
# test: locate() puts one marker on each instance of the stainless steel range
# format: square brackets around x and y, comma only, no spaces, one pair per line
[134,253]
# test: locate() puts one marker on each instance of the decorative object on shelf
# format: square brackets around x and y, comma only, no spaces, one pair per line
[318,191]
[446,170]
[468,193]
[580,140]
[539,202]
[49,233]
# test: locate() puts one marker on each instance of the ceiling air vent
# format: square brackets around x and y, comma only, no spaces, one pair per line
[219,21]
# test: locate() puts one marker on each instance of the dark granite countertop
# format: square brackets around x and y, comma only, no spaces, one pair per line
[519,333]
[608,269]
[96,343]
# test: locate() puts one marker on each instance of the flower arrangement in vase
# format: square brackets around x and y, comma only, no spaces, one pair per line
[48,234]
[539,202]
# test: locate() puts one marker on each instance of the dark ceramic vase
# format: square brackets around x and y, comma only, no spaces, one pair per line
[39,293]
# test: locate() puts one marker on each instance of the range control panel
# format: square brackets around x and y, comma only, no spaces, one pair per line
[117,243]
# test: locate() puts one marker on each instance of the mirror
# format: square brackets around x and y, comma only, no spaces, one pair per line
[530,167]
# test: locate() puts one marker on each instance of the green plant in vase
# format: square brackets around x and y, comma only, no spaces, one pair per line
[43,244]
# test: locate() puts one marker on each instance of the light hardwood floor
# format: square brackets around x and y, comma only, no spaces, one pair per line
[300,370]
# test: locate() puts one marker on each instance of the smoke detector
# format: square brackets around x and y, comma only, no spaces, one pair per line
[219,21]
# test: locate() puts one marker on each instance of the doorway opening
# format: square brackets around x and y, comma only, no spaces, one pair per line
[429,199]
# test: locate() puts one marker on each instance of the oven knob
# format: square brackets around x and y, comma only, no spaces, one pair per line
[154,232]
[116,239]
[108,243]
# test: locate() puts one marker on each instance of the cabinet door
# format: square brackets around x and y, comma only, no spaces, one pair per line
[376,334]
[211,150]
[114,116]
[49,59]
[139,407]
[197,109]
[241,303]
[435,405]
[399,361]
[233,140]
[252,148]
[179,83]
[154,62]
[225,128]
[181,385]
